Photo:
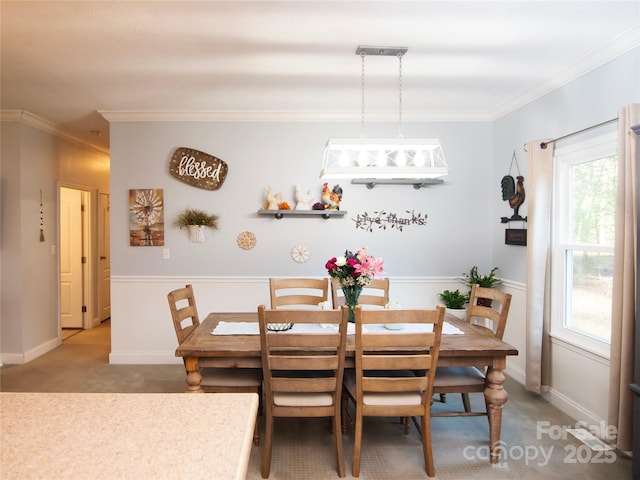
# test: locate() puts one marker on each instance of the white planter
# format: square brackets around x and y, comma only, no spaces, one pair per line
[460,313]
[196,233]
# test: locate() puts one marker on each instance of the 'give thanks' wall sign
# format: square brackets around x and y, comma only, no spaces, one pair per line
[198,168]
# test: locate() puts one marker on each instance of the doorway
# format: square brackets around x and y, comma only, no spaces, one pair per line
[84,257]
[104,249]
[74,241]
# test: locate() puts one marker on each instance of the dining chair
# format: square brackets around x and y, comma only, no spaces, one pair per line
[376,293]
[303,372]
[184,313]
[395,370]
[298,292]
[466,380]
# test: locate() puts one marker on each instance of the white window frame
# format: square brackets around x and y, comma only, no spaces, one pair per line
[565,156]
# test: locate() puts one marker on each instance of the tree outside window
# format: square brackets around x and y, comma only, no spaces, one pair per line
[584,202]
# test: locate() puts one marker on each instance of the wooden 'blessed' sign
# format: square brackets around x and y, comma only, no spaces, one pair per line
[198,168]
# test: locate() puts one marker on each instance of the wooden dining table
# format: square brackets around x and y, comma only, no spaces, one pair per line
[475,346]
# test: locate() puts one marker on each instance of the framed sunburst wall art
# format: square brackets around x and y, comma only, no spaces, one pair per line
[146,217]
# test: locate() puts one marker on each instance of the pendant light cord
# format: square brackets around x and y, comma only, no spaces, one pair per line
[362,55]
[399,95]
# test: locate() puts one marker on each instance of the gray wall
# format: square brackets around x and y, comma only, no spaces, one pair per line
[282,155]
[589,100]
[32,161]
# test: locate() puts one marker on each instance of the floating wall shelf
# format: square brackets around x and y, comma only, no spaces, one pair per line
[416,182]
[303,213]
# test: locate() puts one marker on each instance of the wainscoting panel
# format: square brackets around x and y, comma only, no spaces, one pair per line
[141,328]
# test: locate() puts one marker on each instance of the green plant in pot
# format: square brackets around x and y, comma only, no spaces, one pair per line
[455,300]
[196,220]
[487,281]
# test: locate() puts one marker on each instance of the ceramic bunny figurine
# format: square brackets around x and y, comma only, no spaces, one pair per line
[273,201]
[303,199]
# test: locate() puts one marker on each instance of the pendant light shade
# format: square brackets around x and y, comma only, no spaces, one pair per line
[384,158]
[418,161]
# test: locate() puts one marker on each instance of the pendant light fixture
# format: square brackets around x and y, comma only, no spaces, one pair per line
[415,161]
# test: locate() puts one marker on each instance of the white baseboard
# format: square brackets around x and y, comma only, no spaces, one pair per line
[571,408]
[95,321]
[145,358]
[12,358]
[558,400]
[516,373]
[21,358]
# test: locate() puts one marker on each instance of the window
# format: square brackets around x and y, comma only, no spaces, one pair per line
[584,198]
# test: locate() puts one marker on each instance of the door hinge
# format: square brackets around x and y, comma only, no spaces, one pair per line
[84,260]
[84,309]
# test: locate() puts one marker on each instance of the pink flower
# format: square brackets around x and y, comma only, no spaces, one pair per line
[355,270]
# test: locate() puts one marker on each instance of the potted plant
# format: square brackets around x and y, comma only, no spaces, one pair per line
[487,280]
[196,221]
[455,301]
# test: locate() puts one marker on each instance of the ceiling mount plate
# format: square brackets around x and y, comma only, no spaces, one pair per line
[384,51]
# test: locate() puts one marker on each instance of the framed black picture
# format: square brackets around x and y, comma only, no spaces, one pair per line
[515,236]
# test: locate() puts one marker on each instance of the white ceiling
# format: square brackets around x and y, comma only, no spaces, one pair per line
[295,60]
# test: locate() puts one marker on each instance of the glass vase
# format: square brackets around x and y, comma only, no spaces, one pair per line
[351,295]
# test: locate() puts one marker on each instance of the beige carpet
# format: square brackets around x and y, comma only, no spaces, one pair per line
[303,448]
[69,332]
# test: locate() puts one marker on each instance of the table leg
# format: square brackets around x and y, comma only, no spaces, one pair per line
[495,396]
[193,375]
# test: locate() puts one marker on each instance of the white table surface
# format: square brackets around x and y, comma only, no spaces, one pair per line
[126,436]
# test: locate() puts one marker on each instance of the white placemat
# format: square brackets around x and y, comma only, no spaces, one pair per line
[251,328]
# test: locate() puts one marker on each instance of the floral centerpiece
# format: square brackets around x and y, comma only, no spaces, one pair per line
[354,272]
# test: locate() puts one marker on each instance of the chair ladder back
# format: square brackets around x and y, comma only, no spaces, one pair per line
[497,312]
[396,351]
[395,384]
[303,372]
[395,373]
[413,361]
[376,293]
[288,354]
[298,291]
[181,312]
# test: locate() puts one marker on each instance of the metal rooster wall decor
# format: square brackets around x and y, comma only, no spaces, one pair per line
[513,192]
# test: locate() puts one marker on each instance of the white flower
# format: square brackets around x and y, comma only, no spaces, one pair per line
[363,280]
[348,282]
[300,253]
[341,261]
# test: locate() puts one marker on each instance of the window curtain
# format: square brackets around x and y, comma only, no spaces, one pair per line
[624,278]
[538,265]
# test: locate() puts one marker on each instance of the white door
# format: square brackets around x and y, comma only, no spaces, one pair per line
[104,289]
[71,271]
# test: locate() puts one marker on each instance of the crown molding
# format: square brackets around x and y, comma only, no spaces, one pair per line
[124,116]
[620,45]
[39,123]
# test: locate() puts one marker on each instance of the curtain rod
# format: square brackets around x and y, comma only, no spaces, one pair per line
[543,145]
